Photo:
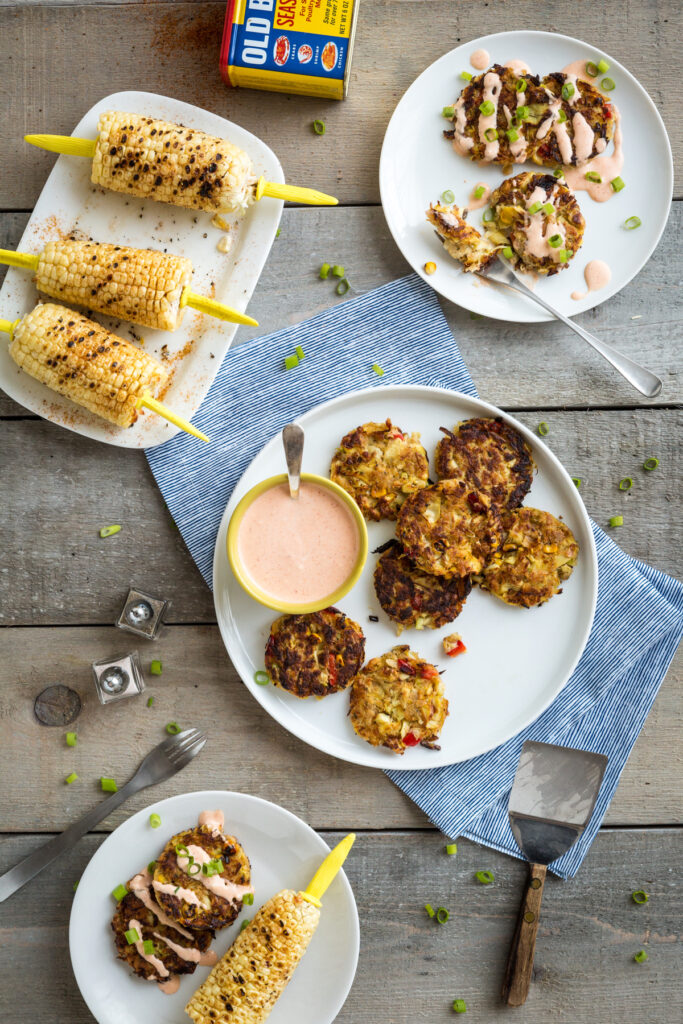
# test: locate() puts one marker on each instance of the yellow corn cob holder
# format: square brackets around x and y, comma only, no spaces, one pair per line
[327,871]
[144,402]
[28,261]
[70,146]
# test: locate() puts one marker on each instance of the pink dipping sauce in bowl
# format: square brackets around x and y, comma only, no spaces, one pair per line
[300,555]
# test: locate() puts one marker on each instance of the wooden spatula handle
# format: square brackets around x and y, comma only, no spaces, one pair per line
[521,959]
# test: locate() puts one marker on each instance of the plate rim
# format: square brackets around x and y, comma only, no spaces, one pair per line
[209,795]
[363,758]
[541,315]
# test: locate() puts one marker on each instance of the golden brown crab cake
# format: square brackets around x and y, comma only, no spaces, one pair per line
[539,218]
[489,456]
[460,240]
[525,117]
[538,555]
[413,598]
[164,959]
[315,654]
[449,529]
[201,877]
[397,701]
[380,466]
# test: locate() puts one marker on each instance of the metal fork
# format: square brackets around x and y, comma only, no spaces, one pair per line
[641,379]
[165,760]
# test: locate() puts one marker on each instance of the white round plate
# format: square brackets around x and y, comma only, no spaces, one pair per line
[284,853]
[418,164]
[517,660]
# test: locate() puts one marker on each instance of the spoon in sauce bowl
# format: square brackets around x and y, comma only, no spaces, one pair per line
[293,443]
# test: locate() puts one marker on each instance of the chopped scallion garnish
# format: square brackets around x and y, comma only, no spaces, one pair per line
[109,531]
[451,849]
[616,521]
[576,480]
[543,428]
[172,728]
[650,463]
[430,909]
[446,197]
[378,369]
[76,886]
[593,176]
[639,896]
[459,1006]
[155,820]
[71,739]
[466,76]
[608,84]
[555,241]
[568,90]
[338,271]
[617,184]
[558,173]
[521,113]
[626,483]
[299,352]
[119,892]
[535,208]
[592,69]
[150,701]
[564,255]
[155,668]
[182,851]
[512,135]
[193,868]
[520,85]
[548,209]
[491,134]
[442,915]
[324,271]
[603,66]
[319,127]
[261,677]
[108,785]
[486,108]
[640,957]
[561,116]
[148,947]
[343,287]
[479,191]
[248,899]
[245,924]
[507,252]
[291,362]
[151,866]
[132,935]
[448,112]
[485,877]
[487,215]
[632,222]
[71,778]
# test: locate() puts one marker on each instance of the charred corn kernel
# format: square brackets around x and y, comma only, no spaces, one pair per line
[153,159]
[244,986]
[430,268]
[141,285]
[86,363]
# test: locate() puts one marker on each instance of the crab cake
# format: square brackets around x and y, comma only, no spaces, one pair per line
[200,878]
[490,456]
[315,654]
[539,219]
[538,555]
[380,466]
[413,598]
[131,913]
[449,529]
[397,701]
[460,240]
[551,120]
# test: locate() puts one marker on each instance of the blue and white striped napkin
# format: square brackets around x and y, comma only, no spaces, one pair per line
[639,616]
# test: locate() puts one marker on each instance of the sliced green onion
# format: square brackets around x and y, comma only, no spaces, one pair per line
[343,287]
[151,866]
[442,915]
[543,428]
[603,66]
[446,197]
[616,521]
[558,173]
[521,113]
[491,134]
[576,480]
[650,464]
[71,739]
[466,76]
[319,127]
[148,947]
[561,116]
[485,877]
[520,85]
[119,892]
[291,362]
[245,924]
[76,885]
[479,191]
[261,677]
[548,209]
[324,271]
[593,176]
[248,899]
[430,909]
[182,851]
[132,936]
[639,896]
[155,820]
[632,222]
[535,208]
[488,215]
[212,867]
[451,849]
[592,69]
[277,233]
[109,531]
[193,868]
[172,728]
[108,785]
[338,271]
[608,84]
[448,112]
[378,369]
[71,778]
[508,253]
[640,957]
[155,668]
[568,90]
[555,241]
[150,701]
[564,255]
[486,108]
[626,484]
[299,352]
[617,184]
[460,1006]
[511,135]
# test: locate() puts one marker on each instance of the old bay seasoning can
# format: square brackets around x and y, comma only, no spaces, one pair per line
[296,46]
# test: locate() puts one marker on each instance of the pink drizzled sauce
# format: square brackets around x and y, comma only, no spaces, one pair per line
[480,59]
[298,551]
[171,985]
[608,166]
[156,963]
[492,87]
[139,885]
[215,820]
[520,66]
[476,204]
[216,884]
[190,953]
[171,889]
[597,275]
[539,228]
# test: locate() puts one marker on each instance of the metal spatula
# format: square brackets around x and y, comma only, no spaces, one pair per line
[551,803]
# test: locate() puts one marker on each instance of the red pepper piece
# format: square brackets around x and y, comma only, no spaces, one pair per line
[475,502]
[410,739]
[405,666]
[397,435]
[458,649]
[332,670]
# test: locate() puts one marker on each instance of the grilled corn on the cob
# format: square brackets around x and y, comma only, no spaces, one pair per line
[244,986]
[86,363]
[154,159]
[141,285]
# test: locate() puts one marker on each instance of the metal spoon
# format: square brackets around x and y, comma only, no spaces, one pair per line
[293,442]
[160,764]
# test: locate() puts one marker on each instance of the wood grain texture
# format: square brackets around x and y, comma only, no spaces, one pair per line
[247,750]
[173,48]
[514,365]
[411,969]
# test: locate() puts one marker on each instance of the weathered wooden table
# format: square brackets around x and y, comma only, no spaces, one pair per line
[62,586]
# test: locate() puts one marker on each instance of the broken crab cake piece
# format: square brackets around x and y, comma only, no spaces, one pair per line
[460,240]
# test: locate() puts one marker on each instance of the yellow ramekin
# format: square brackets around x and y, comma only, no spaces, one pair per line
[267,599]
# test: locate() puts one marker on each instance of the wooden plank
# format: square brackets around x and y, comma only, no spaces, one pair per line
[247,751]
[65,487]
[514,365]
[173,49]
[589,932]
